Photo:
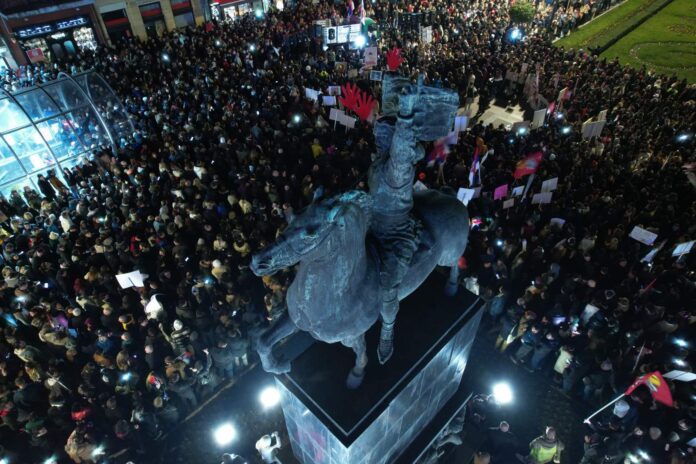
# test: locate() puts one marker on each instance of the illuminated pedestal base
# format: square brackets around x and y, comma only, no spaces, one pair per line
[329,424]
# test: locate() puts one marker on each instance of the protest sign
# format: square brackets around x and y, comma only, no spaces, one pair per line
[335,114]
[509,203]
[370,56]
[131,279]
[602,115]
[352,73]
[311,94]
[517,191]
[376,76]
[683,248]
[681,376]
[334,90]
[329,100]
[549,185]
[539,118]
[419,186]
[347,121]
[542,198]
[643,236]
[500,192]
[465,195]
[460,123]
[557,221]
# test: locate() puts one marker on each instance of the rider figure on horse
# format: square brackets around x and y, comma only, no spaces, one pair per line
[422,114]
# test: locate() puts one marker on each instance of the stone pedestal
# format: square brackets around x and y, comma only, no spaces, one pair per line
[329,424]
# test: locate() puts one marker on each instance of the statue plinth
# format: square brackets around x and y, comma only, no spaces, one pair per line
[330,424]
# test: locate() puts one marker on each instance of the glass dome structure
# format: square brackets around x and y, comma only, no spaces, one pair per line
[57,125]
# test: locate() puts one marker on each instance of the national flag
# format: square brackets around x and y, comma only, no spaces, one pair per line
[528,165]
[481,147]
[362,11]
[657,386]
[474,166]
[351,8]
[441,148]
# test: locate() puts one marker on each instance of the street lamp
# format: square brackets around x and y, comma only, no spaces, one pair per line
[225,434]
[502,393]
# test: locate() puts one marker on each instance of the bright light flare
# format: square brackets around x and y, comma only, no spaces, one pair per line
[565,130]
[269,397]
[225,434]
[360,41]
[502,393]
[680,342]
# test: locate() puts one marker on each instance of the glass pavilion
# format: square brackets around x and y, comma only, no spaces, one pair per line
[57,125]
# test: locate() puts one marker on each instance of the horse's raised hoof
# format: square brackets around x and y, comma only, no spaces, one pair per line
[272,365]
[355,379]
[451,288]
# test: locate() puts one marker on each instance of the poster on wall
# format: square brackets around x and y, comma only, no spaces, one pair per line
[35,55]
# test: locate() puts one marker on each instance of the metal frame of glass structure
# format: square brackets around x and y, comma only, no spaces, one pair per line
[57,125]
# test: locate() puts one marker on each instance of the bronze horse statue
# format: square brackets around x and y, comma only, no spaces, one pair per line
[335,295]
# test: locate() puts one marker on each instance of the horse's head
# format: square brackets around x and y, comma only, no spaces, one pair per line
[316,231]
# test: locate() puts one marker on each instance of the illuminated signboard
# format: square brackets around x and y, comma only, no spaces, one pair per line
[43,29]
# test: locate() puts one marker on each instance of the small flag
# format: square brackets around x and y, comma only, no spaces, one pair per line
[528,165]
[351,8]
[362,11]
[657,386]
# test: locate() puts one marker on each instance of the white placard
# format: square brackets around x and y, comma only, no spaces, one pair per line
[681,376]
[460,123]
[335,114]
[419,186]
[329,100]
[539,117]
[465,195]
[131,279]
[334,90]
[597,128]
[650,256]
[557,221]
[602,115]
[311,94]
[683,248]
[370,56]
[549,185]
[643,236]
[517,191]
[509,203]
[347,121]
[542,198]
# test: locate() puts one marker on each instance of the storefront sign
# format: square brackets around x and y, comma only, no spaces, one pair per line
[43,29]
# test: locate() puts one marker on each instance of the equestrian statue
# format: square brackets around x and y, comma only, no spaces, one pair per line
[359,254]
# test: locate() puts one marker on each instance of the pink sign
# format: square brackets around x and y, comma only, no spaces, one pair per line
[500,192]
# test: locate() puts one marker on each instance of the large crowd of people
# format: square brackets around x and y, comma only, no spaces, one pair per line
[227,147]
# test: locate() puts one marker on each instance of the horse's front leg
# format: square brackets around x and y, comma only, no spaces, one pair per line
[357,374]
[283,328]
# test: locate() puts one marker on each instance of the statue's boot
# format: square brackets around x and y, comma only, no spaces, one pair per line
[386,342]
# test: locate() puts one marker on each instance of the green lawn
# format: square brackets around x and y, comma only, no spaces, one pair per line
[665,43]
[606,27]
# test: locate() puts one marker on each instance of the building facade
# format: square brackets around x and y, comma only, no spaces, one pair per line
[34,31]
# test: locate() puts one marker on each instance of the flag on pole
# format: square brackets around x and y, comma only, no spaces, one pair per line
[657,386]
[441,148]
[528,165]
[363,15]
[351,8]
[475,165]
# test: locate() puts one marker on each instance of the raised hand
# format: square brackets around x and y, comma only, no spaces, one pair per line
[394,58]
[365,105]
[349,96]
